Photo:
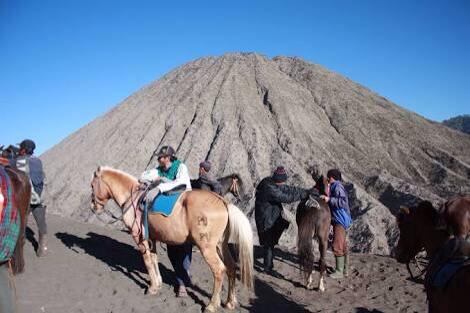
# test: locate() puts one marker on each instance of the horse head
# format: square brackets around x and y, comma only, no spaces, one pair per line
[100,192]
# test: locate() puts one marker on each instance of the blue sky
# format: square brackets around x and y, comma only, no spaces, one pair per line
[63,63]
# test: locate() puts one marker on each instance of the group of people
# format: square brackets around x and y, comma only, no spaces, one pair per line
[271,222]
[172,174]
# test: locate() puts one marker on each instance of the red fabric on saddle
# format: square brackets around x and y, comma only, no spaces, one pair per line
[4,185]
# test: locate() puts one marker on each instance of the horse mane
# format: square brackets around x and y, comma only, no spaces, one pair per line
[117,174]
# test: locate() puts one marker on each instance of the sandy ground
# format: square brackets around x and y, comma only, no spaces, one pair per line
[95,269]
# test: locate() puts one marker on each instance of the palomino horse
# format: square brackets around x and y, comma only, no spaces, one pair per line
[313,221]
[418,229]
[21,191]
[199,216]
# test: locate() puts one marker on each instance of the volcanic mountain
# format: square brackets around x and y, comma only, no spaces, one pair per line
[247,113]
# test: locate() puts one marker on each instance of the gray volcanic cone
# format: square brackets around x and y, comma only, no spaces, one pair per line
[247,113]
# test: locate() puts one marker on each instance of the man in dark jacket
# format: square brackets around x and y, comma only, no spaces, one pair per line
[206,181]
[271,192]
[32,166]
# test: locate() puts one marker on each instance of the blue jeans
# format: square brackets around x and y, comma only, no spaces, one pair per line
[180,257]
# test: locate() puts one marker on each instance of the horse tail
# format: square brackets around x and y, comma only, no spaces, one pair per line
[241,233]
[306,228]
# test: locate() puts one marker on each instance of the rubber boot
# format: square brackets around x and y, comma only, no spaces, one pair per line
[338,274]
[346,265]
[42,247]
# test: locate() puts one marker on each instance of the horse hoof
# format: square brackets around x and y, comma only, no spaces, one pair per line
[152,291]
[210,308]
[310,286]
[231,305]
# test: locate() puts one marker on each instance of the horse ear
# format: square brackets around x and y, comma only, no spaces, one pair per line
[98,172]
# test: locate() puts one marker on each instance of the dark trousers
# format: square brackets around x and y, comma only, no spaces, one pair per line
[269,238]
[180,257]
[39,213]
[268,257]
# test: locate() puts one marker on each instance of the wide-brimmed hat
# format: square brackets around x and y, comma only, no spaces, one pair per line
[166,151]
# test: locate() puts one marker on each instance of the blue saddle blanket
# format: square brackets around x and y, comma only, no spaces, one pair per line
[163,204]
[445,274]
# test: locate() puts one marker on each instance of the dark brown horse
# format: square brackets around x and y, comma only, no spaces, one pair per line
[21,190]
[456,215]
[418,229]
[313,220]
[230,184]
[423,223]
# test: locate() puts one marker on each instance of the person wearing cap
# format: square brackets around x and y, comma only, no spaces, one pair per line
[340,218]
[173,174]
[32,166]
[206,181]
[271,192]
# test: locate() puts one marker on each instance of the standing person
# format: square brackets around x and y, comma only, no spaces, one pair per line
[340,218]
[174,175]
[271,192]
[32,166]
[206,181]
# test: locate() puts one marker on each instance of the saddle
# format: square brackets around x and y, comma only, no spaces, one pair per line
[454,255]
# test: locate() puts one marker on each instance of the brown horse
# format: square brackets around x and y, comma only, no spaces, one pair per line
[423,223]
[230,184]
[313,220]
[456,215]
[21,190]
[418,229]
[199,216]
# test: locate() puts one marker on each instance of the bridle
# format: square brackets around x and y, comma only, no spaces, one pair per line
[234,188]
[126,207]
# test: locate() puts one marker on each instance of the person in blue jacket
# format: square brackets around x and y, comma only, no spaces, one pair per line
[340,218]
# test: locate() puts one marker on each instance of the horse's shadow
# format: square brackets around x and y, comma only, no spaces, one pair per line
[118,256]
[123,258]
[269,300]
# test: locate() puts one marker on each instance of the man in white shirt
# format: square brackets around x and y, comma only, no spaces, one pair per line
[173,174]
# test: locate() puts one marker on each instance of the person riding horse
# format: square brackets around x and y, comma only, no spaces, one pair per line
[206,181]
[172,174]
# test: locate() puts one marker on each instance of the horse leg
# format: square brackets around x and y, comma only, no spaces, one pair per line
[322,246]
[150,265]
[209,252]
[231,275]
[153,253]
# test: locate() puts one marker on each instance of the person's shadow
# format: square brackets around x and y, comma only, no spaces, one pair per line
[269,300]
[287,258]
[30,237]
